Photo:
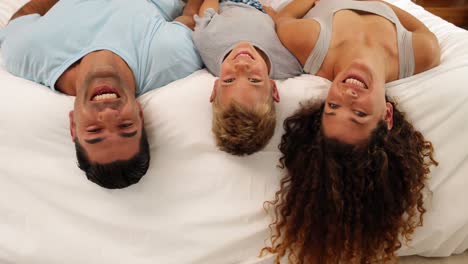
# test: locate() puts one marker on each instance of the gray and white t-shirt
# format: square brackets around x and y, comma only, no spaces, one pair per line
[216,35]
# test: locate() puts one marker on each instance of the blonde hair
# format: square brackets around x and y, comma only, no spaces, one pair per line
[240,130]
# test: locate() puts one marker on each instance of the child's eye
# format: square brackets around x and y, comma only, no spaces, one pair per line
[360,114]
[253,80]
[229,80]
[333,106]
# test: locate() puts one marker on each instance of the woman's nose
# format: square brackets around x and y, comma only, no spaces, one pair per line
[351,93]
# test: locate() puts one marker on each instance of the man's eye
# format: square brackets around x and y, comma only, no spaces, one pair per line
[360,114]
[229,80]
[94,130]
[333,106]
[126,125]
[253,80]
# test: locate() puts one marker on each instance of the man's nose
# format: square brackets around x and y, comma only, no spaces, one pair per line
[108,116]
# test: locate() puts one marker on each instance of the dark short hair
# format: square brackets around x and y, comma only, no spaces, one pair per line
[117,174]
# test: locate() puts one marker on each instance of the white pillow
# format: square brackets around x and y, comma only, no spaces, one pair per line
[8,8]
[197,204]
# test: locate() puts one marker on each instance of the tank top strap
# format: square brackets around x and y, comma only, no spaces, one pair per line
[323,13]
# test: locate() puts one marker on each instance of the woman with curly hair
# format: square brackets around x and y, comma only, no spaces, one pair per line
[355,167]
[344,203]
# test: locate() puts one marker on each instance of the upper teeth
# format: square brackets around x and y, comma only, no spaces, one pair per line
[244,55]
[356,82]
[104,96]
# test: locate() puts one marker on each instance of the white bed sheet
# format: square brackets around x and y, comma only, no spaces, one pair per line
[197,204]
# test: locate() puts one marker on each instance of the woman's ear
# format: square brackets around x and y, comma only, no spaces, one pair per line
[389,116]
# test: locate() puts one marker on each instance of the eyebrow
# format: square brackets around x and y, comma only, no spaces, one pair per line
[354,120]
[94,140]
[357,122]
[128,134]
[99,139]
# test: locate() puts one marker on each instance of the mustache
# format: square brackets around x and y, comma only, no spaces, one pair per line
[92,79]
[101,106]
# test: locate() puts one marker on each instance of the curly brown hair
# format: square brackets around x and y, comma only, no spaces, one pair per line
[341,203]
[241,130]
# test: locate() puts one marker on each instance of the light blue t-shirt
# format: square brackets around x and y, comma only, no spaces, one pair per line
[42,48]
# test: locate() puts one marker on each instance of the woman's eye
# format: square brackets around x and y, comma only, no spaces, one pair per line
[127,125]
[360,114]
[253,80]
[229,80]
[333,106]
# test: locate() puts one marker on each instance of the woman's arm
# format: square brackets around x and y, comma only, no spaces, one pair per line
[298,35]
[40,7]
[208,4]
[425,44]
[406,19]
[296,9]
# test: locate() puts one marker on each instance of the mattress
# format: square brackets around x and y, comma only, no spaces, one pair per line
[197,204]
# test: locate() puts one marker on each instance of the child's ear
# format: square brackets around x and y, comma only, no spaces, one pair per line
[213,92]
[274,91]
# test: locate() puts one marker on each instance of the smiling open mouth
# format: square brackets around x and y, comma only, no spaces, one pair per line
[105,93]
[354,80]
[244,53]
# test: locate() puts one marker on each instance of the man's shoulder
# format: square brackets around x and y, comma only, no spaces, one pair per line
[173,35]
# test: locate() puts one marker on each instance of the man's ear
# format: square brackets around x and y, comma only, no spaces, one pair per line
[213,92]
[274,91]
[72,125]
[140,112]
[389,116]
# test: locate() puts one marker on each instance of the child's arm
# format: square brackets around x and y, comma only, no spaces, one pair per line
[270,11]
[191,8]
[208,4]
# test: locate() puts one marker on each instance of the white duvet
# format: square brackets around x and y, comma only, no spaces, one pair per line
[197,204]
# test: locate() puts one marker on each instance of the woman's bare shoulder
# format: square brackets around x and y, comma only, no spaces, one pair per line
[298,36]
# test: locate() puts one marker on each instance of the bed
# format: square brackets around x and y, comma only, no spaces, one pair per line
[197,204]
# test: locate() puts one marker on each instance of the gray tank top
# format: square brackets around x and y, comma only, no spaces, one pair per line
[216,35]
[323,13]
